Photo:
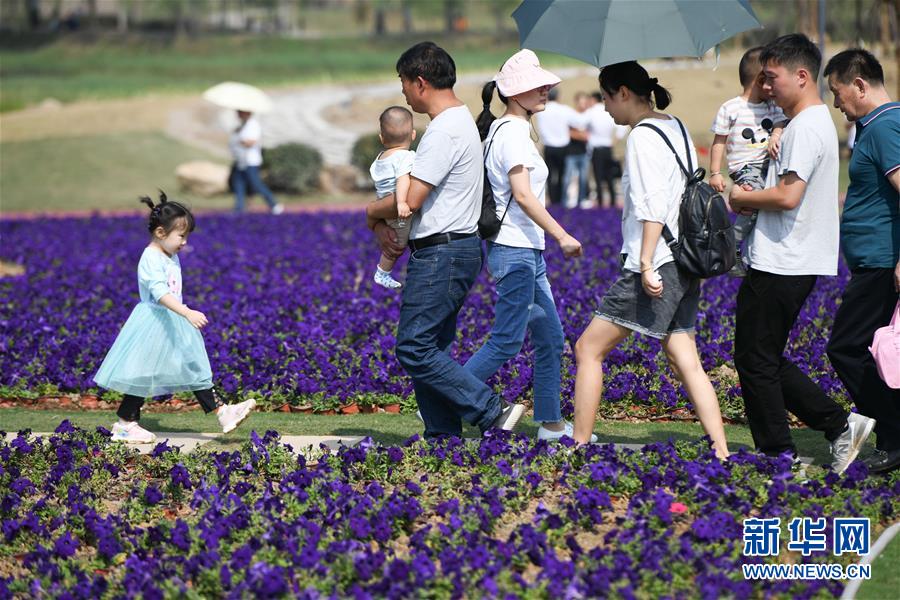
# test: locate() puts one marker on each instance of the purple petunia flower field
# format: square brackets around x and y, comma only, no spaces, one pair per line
[294,316]
[502,517]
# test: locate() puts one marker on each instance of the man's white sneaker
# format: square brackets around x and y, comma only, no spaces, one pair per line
[509,417]
[131,433]
[847,446]
[278,209]
[232,415]
[568,429]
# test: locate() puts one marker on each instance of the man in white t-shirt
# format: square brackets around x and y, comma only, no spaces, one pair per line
[554,125]
[602,134]
[795,241]
[445,198]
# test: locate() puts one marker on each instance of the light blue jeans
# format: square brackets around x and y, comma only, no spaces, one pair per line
[524,303]
[577,165]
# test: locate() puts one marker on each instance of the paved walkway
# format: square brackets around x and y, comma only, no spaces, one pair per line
[188,442]
[307,445]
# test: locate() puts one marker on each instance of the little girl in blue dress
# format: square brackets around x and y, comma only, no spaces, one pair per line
[159,349]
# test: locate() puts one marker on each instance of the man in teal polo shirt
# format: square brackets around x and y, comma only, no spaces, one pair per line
[870,241]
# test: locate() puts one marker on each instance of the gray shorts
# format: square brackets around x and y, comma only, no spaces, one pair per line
[627,304]
[401,226]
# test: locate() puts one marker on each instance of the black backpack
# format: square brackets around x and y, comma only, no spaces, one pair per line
[705,246]
[488,223]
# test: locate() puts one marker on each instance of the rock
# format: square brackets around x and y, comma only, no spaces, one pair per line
[335,179]
[50,104]
[203,178]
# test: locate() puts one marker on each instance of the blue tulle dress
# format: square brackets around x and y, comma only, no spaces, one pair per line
[157,352]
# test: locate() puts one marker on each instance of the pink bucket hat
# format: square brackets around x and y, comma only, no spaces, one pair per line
[523,72]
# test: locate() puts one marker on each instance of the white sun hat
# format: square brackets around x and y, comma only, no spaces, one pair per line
[523,72]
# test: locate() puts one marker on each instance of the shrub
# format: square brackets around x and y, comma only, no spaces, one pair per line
[292,168]
[366,148]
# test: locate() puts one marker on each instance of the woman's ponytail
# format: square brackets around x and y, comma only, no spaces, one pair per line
[486,117]
[661,96]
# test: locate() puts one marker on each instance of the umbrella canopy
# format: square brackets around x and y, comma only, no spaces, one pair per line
[238,96]
[603,32]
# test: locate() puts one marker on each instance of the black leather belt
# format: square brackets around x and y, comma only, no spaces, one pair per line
[437,239]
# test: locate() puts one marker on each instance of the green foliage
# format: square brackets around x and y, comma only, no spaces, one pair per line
[292,168]
[367,148]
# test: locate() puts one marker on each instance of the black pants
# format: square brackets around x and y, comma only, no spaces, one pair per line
[556,166]
[867,304]
[130,409]
[767,307]
[602,163]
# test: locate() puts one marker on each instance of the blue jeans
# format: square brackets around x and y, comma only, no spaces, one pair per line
[437,281]
[524,302]
[243,179]
[577,164]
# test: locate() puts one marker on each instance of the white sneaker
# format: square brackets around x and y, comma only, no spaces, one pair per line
[509,417]
[552,436]
[131,433]
[232,415]
[278,209]
[847,446]
[383,278]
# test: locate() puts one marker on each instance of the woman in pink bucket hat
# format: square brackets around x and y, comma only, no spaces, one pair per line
[518,175]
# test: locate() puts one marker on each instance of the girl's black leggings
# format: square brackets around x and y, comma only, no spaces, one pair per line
[130,409]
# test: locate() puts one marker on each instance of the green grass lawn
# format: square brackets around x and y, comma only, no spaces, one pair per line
[102,172]
[114,67]
[385,428]
[885,581]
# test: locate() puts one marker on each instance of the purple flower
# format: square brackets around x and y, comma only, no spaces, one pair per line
[152,495]
[65,545]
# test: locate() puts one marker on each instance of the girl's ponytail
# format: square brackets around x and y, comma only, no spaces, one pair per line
[166,214]
[486,117]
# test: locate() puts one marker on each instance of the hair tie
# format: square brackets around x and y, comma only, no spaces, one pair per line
[654,81]
[486,106]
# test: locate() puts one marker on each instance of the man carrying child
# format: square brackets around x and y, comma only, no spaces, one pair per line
[445,199]
[795,240]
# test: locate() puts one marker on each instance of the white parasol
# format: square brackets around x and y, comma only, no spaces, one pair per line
[239,96]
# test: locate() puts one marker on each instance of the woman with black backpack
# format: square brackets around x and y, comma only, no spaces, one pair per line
[517,176]
[652,295]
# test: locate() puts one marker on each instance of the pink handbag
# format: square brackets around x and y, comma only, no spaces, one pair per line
[885,349]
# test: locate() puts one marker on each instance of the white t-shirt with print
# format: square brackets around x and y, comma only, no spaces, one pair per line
[449,158]
[510,147]
[652,183]
[385,171]
[804,240]
[733,118]
[242,155]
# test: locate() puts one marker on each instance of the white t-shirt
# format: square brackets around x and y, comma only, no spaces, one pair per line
[511,147]
[242,155]
[449,158]
[553,124]
[602,130]
[652,183]
[385,171]
[802,241]
[733,118]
